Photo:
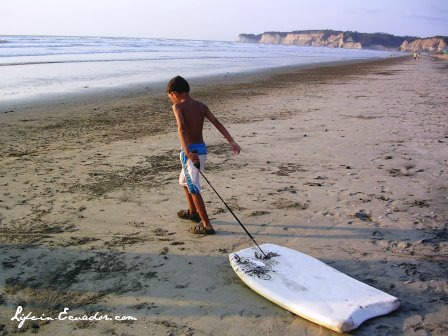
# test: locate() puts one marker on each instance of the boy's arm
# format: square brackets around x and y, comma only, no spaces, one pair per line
[220,127]
[182,134]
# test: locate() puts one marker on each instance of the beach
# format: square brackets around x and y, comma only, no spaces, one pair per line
[345,162]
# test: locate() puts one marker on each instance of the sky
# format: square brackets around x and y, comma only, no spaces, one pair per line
[220,20]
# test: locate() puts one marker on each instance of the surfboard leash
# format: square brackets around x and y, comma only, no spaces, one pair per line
[239,222]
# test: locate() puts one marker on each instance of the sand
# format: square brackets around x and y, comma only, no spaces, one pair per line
[345,163]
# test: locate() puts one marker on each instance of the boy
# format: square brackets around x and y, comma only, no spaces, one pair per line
[190,115]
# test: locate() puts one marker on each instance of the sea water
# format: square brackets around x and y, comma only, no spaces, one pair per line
[37,66]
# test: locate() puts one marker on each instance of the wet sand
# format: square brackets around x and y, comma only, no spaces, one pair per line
[346,163]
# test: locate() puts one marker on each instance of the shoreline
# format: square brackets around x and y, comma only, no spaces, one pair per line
[137,90]
[347,164]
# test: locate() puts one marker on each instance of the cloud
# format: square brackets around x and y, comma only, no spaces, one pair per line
[410,15]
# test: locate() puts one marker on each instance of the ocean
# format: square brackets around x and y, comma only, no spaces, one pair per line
[44,66]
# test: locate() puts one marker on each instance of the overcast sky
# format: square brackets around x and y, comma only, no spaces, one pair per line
[219,20]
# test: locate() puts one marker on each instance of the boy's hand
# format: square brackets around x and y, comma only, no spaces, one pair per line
[193,157]
[235,147]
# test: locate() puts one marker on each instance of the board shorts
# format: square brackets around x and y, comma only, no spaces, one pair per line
[189,176]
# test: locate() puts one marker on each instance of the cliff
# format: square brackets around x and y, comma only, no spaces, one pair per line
[347,39]
[427,44]
[313,39]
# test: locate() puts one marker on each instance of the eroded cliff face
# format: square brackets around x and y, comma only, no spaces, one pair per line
[315,40]
[310,39]
[427,44]
[271,39]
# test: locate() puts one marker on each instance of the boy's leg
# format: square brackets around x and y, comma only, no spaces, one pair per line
[191,206]
[200,207]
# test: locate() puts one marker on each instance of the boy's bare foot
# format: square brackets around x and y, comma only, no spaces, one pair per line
[186,214]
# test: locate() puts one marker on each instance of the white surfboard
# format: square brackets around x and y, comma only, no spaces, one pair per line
[309,288]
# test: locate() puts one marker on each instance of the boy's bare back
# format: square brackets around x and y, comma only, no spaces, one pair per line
[193,114]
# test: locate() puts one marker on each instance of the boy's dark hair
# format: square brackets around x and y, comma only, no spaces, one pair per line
[177,84]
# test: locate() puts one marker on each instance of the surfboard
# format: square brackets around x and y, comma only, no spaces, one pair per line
[310,288]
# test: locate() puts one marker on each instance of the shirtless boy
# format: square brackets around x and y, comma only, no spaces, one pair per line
[190,115]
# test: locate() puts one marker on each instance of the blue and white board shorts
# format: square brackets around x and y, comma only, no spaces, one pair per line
[190,176]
